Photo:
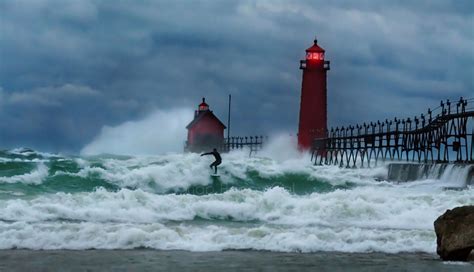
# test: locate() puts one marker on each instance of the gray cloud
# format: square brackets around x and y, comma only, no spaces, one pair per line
[52,96]
[77,66]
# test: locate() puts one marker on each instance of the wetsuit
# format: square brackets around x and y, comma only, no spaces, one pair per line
[218,160]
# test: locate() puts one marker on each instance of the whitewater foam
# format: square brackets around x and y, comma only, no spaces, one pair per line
[35,177]
[358,220]
[150,205]
[88,235]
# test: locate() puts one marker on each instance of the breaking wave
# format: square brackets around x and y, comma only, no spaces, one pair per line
[267,202]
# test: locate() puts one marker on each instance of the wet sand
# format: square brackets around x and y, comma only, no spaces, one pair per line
[157,260]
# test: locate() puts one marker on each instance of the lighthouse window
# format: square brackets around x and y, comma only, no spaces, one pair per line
[314,56]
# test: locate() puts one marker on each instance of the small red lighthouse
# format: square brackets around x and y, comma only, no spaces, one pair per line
[313,105]
[206,131]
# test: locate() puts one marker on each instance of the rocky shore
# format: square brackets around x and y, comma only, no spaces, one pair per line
[455,234]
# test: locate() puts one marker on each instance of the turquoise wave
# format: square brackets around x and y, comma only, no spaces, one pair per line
[20,177]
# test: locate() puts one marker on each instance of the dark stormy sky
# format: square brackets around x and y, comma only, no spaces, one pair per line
[69,68]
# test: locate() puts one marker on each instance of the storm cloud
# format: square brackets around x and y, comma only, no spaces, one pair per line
[70,68]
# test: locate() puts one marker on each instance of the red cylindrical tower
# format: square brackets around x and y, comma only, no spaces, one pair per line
[313,105]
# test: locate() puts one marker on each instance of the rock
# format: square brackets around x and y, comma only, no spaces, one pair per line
[455,233]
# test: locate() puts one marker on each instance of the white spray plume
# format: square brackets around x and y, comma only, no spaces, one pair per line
[158,133]
[282,147]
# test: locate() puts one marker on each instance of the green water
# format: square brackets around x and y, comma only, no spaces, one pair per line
[64,175]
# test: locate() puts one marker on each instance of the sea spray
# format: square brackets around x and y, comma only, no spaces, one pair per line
[154,134]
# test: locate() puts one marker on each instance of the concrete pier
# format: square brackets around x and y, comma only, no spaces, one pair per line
[404,172]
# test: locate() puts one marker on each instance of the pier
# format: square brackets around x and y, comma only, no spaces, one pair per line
[441,135]
[253,143]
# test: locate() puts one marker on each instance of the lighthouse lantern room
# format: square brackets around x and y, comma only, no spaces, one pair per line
[206,131]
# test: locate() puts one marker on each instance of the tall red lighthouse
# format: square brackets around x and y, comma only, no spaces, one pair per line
[313,105]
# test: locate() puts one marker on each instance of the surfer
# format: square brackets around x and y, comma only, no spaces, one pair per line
[218,158]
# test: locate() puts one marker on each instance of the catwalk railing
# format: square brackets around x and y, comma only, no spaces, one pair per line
[440,136]
[253,143]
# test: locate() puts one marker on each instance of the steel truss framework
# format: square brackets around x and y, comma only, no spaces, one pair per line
[441,137]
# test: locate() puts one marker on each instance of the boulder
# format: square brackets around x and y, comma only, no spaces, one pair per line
[455,233]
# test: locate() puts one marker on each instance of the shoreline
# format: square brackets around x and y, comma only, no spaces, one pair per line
[241,260]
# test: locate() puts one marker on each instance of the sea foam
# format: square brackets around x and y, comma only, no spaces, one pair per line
[37,176]
[384,219]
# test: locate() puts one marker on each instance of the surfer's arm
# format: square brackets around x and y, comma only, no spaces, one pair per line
[203,154]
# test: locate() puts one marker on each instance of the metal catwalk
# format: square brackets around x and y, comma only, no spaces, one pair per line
[444,134]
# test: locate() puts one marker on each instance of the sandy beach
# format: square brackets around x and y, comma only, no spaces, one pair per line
[156,260]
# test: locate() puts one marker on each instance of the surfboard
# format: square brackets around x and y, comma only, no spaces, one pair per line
[215,175]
